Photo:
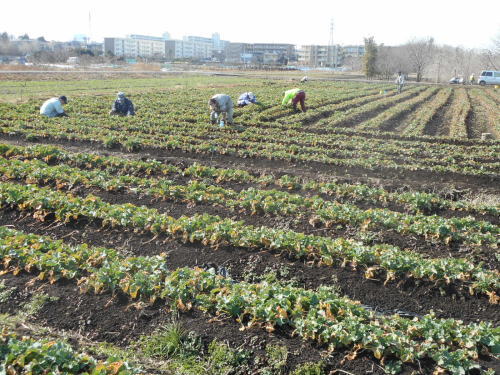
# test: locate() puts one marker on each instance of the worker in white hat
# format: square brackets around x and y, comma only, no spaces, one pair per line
[221,107]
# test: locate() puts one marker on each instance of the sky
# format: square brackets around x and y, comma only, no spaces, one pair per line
[470,24]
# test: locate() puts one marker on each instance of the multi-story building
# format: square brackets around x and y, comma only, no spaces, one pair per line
[320,55]
[327,56]
[191,47]
[136,46]
[353,51]
[194,47]
[239,53]
[201,48]
[260,53]
[148,46]
[187,49]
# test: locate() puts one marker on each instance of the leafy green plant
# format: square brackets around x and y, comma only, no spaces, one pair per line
[5,292]
[310,368]
[18,355]
[36,302]
[173,340]
[276,357]
[320,315]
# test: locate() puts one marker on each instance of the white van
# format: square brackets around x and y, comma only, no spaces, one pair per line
[489,77]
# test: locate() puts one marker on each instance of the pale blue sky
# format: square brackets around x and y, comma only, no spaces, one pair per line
[454,22]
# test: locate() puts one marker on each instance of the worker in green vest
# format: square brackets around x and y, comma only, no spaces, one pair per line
[295,96]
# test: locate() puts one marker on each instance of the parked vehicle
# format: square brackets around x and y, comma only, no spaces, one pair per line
[457,80]
[489,77]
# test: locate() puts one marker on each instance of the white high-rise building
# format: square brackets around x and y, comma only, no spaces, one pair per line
[190,47]
[136,46]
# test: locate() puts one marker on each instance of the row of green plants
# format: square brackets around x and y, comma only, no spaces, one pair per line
[316,100]
[351,116]
[188,129]
[460,111]
[418,120]
[320,315]
[25,355]
[232,144]
[201,129]
[379,121]
[490,108]
[255,201]
[335,102]
[380,260]
[361,147]
[414,201]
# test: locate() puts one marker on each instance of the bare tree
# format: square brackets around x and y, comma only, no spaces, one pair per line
[353,63]
[496,44]
[391,60]
[420,55]
[491,56]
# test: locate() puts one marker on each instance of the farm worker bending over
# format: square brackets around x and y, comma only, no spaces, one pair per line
[400,81]
[247,98]
[54,107]
[122,106]
[221,104]
[295,96]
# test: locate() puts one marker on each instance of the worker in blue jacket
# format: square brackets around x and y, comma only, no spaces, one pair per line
[122,106]
[247,98]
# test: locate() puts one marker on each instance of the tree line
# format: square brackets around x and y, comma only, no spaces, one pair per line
[423,59]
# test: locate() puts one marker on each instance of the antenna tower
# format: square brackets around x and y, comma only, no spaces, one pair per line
[331,45]
[90,29]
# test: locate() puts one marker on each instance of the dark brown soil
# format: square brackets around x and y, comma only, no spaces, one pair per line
[435,126]
[301,224]
[118,320]
[311,121]
[475,121]
[452,181]
[179,179]
[404,295]
[400,119]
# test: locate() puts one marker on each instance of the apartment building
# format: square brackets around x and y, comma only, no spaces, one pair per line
[190,47]
[320,55]
[187,49]
[353,51]
[260,53]
[136,46]
[327,56]
[194,47]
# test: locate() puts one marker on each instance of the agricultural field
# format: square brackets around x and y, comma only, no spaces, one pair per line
[360,237]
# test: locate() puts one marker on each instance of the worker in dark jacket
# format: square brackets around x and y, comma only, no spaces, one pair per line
[122,106]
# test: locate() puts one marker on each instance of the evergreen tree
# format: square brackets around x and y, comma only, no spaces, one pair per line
[370,57]
[4,37]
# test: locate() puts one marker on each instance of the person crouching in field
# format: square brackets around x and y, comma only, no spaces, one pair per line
[54,107]
[247,98]
[221,104]
[122,106]
[295,96]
